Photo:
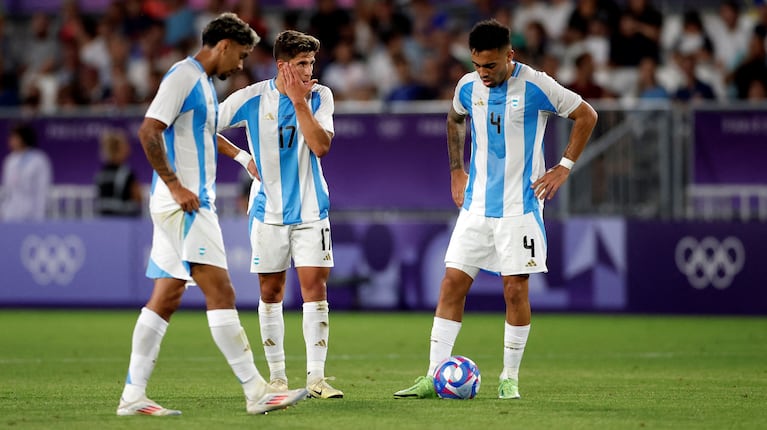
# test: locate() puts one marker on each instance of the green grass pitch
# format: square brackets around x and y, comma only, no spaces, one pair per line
[65,370]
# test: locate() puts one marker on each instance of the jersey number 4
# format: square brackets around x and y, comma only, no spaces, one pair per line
[530,246]
[496,121]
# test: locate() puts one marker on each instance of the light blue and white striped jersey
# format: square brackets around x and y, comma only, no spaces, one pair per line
[186,102]
[292,188]
[507,126]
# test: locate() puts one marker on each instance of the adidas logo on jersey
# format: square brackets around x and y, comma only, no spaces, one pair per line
[479,102]
[531,263]
[269,116]
[321,343]
[327,257]
[269,342]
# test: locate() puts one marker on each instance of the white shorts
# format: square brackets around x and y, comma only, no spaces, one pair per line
[509,246]
[181,238]
[272,245]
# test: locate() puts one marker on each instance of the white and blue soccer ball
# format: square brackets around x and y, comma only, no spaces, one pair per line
[457,377]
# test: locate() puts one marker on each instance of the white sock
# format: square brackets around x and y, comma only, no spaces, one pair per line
[273,337]
[145,347]
[231,339]
[443,335]
[514,340]
[316,330]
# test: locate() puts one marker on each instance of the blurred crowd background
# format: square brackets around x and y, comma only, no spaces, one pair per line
[111,55]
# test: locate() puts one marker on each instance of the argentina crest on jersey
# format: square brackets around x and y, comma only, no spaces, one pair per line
[514,102]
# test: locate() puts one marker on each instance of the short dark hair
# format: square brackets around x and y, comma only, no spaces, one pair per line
[488,35]
[290,43]
[229,26]
[26,133]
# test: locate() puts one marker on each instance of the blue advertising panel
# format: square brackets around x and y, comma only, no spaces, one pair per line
[697,267]
[595,265]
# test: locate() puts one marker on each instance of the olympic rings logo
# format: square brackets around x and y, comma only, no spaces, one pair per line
[52,259]
[710,262]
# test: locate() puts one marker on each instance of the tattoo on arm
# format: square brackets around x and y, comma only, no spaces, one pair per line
[456,135]
[159,161]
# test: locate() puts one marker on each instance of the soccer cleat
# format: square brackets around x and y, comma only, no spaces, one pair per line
[320,389]
[274,401]
[276,385]
[144,406]
[423,389]
[509,389]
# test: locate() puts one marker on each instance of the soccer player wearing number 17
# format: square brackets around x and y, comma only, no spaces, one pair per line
[289,124]
[500,225]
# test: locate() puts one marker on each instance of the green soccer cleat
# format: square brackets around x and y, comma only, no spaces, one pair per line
[509,389]
[423,389]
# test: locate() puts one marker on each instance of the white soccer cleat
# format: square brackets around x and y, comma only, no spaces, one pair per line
[276,385]
[144,406]
[274,401]
[320,389]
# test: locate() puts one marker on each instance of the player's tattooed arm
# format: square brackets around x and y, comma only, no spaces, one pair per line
[456,136]
[150,135]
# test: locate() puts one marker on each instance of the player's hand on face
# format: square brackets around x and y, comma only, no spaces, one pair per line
[188,200]
[547,185]
[295,88]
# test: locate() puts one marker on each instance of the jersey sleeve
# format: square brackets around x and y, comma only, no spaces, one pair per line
[229,108]
[174,89]
[564,100]
[462,93]
[324,113]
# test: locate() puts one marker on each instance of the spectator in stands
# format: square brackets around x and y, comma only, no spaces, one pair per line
[331,24]
[729,31]
[381,67]
[754,67]
[180,25]
[535,44]
[260,63]
[648,87]
[408,88]
[388,18]
[118,192]
[347,75]
[136,21]
[584,83]
[525,12]
[39,56]
[250,12]
[694,41]
[691,88]
[586,11]
[637,35]
[27,176]
[555,16]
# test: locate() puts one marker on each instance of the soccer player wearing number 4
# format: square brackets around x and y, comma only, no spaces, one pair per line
[289,123]
[500,225]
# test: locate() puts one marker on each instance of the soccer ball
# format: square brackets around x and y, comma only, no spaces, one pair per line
[457,377]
